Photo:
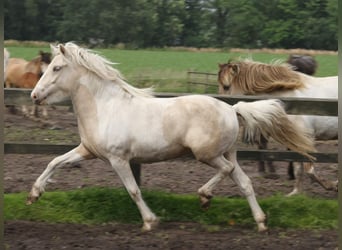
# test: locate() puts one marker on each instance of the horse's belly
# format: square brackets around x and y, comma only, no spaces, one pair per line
[150,156]
[324,127]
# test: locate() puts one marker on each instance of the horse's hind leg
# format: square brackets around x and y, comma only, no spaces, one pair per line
[310,170]
[224,167]
[124,171]
[245,185]
[261,164]
[298,176]
[231,167]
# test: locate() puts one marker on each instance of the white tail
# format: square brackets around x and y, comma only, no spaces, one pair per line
[268,118]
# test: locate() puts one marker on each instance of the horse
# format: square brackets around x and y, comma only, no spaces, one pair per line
[20,73]
[119,124]
[307,65]
[303,63]
[246,77]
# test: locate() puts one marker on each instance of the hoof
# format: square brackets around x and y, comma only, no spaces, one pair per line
[335,185]
[205,201]
[294,192]
[31,199]
[33,196]
[150,225]
[262,229]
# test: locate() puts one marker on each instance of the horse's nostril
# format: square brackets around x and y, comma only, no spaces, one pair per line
[34,96]
[226,88]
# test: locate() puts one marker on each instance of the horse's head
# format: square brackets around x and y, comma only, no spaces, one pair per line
[226,72]
[57,80]
[246,77]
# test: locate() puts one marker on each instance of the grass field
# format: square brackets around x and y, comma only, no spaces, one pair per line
[82,206]
[166,69]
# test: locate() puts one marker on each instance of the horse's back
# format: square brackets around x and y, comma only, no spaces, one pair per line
[15,66]
[201,123]
[321,87]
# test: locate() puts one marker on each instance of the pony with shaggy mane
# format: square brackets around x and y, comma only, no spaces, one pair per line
[277,79]
[252,78]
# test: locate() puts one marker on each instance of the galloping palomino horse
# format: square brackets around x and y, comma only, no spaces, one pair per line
[119,124]
[246,77]
[25,74]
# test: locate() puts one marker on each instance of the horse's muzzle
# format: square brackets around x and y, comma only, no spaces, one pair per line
[35,98]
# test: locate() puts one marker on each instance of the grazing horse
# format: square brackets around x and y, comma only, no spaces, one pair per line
[20,73]
[303,63]
[119,124]
[246,77]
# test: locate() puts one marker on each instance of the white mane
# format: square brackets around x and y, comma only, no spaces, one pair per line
[101,67]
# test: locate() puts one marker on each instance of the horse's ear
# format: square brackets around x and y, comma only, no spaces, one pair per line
[235,68]
[54,49]
[220,65]
[62,49]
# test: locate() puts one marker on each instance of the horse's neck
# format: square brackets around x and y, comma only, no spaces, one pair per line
[97,110]
[91,98]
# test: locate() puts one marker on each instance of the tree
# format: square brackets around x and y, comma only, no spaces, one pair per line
[308,24]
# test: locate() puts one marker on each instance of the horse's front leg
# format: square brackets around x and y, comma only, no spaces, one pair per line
[77,154]
[124,171]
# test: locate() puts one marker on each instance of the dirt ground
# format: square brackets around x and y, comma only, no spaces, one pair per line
[179,176]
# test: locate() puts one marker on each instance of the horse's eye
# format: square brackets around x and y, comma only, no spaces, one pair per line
[57,68]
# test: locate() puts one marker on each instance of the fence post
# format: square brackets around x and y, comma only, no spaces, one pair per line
[206,81]
[188,81]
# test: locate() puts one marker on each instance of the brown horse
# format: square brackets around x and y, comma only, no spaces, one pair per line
[20,73]
[25,74]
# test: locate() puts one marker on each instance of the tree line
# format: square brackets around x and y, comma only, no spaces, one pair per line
[310,24]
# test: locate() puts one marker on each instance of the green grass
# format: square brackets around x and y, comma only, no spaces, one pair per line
[104,205]
[166,69]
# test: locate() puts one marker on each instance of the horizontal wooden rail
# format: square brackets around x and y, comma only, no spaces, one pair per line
[243,154]
[295,106]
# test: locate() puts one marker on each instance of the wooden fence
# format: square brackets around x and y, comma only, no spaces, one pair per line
[293,106]
[208,81]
